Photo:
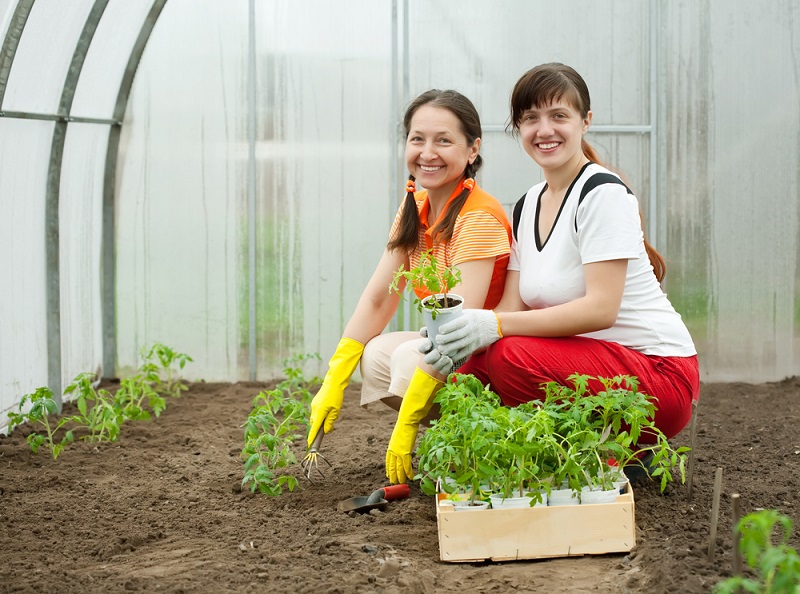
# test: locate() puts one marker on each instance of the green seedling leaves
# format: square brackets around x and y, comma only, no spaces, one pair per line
[776,565]
[158,367]
[568,437]
[42,413]
[427,275]
[279,418]
[101,413]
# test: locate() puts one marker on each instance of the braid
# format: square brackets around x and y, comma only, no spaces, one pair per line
[408,233]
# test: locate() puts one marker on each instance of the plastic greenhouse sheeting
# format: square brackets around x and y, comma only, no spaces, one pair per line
[221,177]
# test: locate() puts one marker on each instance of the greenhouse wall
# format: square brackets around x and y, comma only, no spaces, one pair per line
[221,176]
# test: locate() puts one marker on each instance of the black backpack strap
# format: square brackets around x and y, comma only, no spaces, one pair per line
[598,179]
[518,213]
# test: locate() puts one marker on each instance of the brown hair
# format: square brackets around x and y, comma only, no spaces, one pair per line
[470,122]
[547,83]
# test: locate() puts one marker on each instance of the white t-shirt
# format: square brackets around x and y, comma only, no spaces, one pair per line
[608,228]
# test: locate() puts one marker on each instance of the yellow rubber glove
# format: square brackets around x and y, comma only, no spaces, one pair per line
[417,402]
[327,404]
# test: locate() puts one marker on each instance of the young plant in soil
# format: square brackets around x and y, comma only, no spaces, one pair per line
[43,407]
[278,419]
[295,385]
[269,432]
[776,567]
[429,276]
[158,368]
[99,413]
[136,399]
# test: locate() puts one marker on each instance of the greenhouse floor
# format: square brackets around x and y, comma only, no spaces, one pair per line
[162,509]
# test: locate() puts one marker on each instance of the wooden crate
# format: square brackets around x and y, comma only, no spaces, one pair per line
[536,532]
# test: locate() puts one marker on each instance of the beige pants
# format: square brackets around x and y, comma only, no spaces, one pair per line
[387,365]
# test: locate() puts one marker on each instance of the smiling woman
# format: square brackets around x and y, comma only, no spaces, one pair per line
[582,292]
[436,153]
[463,228]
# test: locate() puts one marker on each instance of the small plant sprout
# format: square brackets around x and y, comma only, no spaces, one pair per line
[456,449]
[99,412]
[429,276]
[295,385]
[278,419]
[158,367]
[776,567]
[135,395]
[608,425]
[269,432]
[43,407]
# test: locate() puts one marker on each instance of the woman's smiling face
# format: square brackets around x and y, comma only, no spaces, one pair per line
[552,134]
[437,151]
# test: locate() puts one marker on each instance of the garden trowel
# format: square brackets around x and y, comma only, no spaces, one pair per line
[378,500]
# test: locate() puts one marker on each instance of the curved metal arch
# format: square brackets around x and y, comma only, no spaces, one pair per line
[52,198]
[109,182]
[11,42]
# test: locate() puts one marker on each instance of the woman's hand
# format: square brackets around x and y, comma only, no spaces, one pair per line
[473,330]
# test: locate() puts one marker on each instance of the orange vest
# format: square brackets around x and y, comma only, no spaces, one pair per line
[478,200]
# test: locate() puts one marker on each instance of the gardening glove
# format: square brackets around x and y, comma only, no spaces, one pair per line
[474,329]
[327,404]
[433,357]
[417,402]
[441,363]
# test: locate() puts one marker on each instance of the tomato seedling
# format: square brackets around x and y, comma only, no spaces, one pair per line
[43,407]
[99,412]
[427,275]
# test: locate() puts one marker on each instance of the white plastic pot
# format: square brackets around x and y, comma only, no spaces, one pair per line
[467,506]
[443,315]
[563,497]
[592,496]
[499,502]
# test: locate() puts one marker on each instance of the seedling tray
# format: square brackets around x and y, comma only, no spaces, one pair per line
[536,532]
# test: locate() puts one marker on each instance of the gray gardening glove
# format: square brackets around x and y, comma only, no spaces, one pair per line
[433,357]
[473,330]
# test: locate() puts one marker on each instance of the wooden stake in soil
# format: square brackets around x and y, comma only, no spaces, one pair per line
[737,554]
[692,440]
[715,513]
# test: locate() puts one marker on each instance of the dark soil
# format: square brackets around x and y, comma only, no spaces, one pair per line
[162,509]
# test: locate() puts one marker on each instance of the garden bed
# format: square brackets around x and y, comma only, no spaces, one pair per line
[162,509]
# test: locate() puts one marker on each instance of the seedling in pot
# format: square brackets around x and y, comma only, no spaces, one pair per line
[427,275]
[608,425]
[456,449]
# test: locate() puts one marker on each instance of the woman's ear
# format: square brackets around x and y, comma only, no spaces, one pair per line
[474,150]
[587,121]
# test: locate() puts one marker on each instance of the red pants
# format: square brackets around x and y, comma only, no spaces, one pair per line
[515,367]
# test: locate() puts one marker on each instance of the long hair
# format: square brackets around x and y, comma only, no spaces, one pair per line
[547,83]
[408,234]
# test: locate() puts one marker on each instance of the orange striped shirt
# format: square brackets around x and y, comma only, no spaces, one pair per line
[481,231]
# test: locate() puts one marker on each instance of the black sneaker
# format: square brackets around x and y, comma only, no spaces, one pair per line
[640,470]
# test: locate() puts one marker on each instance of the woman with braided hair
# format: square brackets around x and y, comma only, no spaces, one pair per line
[465,227]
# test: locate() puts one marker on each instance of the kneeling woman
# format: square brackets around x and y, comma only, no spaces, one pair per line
[583,290]
[464,226]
